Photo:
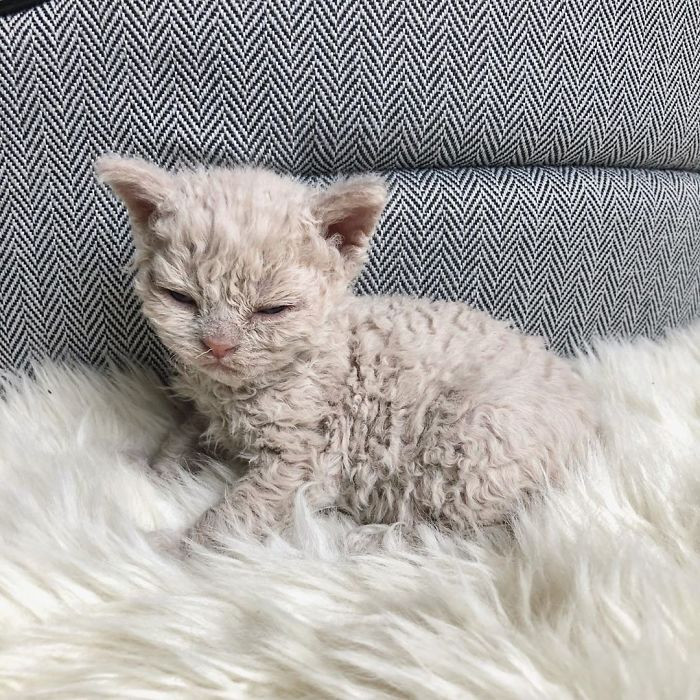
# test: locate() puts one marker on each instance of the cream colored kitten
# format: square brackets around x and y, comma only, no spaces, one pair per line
[393,409]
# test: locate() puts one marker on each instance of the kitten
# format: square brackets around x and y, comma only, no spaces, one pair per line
[392,409]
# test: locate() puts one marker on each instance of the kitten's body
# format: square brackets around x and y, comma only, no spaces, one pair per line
[412,410]
[393,409]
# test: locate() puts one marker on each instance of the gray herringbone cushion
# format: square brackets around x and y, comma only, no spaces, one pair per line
[424,90]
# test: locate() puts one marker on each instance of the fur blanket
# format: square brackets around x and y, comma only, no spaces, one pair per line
[594,594]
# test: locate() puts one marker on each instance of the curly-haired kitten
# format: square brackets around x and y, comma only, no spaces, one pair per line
[393,409]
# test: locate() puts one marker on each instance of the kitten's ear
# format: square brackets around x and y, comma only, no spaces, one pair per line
[348,212]
[141,186]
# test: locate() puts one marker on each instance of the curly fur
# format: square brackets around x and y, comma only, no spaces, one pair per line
[392,409]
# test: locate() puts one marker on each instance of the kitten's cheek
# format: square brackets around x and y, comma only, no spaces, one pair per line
[178,341]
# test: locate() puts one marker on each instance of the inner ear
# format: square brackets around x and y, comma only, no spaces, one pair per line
[348,212]
[352,230]
[140,185]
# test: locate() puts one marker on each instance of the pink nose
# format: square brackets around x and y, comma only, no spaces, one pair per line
[219,347]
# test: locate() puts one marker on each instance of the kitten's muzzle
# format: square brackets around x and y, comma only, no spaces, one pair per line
[219,347]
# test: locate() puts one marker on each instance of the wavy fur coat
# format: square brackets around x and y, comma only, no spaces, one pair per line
[391,409]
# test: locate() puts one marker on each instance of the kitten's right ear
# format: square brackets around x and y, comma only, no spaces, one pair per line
[142,186]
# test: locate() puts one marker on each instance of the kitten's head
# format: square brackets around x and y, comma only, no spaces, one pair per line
[239,269]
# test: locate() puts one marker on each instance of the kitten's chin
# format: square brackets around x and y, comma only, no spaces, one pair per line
[220,372]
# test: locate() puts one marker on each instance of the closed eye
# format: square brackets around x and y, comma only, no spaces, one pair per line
[273,310]
[180,297]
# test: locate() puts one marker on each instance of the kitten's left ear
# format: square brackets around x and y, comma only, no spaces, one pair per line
[348,212]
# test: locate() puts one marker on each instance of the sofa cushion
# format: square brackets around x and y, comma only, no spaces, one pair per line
[352,85]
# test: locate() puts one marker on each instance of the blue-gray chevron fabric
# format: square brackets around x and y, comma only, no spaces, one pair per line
[543,155]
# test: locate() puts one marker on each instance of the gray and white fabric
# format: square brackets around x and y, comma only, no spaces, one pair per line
[543,156]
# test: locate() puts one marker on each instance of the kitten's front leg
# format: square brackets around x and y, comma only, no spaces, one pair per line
[262,501]
[180,447]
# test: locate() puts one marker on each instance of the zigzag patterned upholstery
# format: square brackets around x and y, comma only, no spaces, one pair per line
[543,155]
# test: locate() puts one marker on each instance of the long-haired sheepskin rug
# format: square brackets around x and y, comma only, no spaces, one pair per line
[595,593]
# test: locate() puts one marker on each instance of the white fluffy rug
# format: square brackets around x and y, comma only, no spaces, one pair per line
[596,595]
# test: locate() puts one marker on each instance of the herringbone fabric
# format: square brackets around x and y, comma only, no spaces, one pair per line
[566,253]
[316,86]
[425,90]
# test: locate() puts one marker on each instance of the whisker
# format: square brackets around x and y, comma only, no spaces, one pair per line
[206,352]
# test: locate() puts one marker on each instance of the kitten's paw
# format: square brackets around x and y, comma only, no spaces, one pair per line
[169,541]
[216,526]
[163,467]
[365,539]
[167,467]
[153,464]
[134,456]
